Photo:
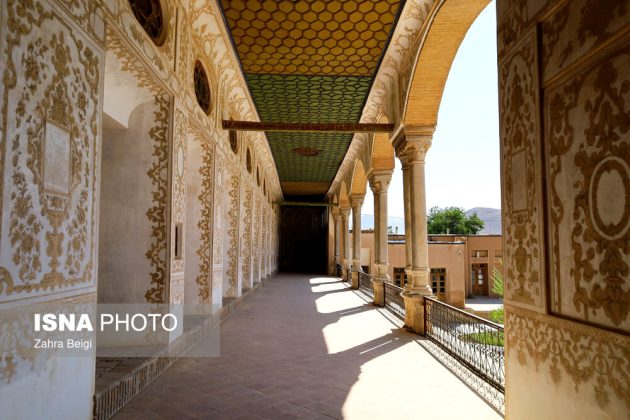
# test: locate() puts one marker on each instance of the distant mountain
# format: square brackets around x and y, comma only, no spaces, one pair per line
[491,219]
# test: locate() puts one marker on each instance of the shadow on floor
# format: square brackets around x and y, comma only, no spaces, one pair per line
[295,350]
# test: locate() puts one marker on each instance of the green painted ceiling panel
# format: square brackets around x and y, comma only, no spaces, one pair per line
[294,167]
[314,99]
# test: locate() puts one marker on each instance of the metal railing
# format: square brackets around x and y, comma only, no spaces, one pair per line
[394,301]
[477,343]
[365,283]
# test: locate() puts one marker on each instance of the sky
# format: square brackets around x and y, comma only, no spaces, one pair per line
[462,165]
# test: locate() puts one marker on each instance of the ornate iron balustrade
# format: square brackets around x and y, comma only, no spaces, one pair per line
[394,301]
[475,342]
[365,283]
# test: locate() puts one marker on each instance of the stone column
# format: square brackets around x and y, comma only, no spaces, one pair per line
[407,203]
[379,183]
[345,239]
[356,201]
[377,203]
[337,220]
[411,148]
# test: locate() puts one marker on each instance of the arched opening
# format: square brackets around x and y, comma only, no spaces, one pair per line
[358,183]
[344,201]
[382,152]
[199,289]
[454,91]
[381,157]
[132,265]
[358,187]
[435,57]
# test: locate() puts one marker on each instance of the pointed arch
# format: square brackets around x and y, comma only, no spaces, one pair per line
[359,179]
[344,201]
[435,57]
[382,151]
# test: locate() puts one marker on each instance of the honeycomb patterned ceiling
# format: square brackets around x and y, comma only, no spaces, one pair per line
[310,61]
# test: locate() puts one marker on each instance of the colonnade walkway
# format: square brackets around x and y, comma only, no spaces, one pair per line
[307,347]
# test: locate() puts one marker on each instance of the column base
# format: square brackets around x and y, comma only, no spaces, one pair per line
[355,278]
[408,276]
[345,270]
[419,282]
[379,292]
[414,311]
[382,272]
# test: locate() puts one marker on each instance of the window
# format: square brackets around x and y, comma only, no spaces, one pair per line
[480,253]
[438,282]
[233,141]
[202,87]
[248,161]
[150,15]
[400,277]
[178,241]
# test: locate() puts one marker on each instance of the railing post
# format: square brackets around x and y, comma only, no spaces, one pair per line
[426,314]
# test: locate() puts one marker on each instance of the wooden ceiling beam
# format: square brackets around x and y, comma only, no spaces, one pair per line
[308,127]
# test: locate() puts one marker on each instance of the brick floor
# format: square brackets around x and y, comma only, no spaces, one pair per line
[306,347]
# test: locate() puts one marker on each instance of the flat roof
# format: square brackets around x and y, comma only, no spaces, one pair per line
[439,234]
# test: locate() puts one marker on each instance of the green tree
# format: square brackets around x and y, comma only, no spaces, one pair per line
[452,220]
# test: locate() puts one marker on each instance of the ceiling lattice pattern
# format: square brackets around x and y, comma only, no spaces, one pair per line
[292,167]
[310,61]
[338,37]
[308,98]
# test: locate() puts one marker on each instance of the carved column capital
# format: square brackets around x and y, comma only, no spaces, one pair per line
[356,201]
[412,144]
[379,181]
[345,212]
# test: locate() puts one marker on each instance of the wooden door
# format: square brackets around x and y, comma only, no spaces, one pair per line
[479,277]
[438,283]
